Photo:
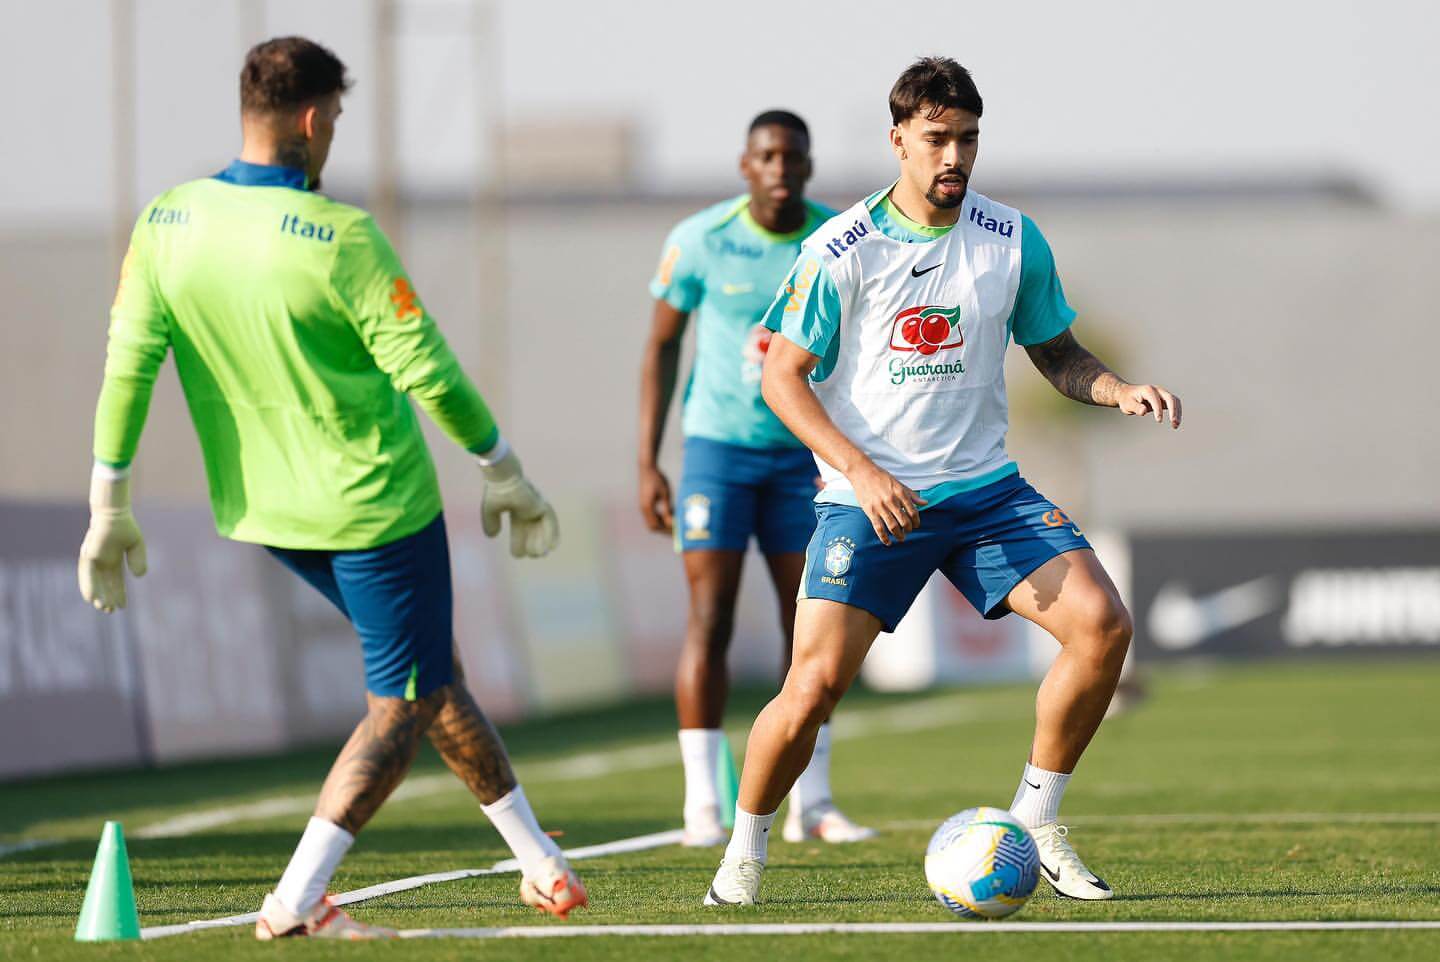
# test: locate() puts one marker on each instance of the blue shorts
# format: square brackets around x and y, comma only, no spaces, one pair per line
[985,541]
[398,597]
[729,492]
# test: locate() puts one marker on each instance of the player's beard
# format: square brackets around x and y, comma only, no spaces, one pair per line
[945,201]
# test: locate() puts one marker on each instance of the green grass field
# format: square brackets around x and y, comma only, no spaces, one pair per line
[1260,758]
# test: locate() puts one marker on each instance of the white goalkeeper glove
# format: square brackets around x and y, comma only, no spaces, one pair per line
[112,541]
[534,529]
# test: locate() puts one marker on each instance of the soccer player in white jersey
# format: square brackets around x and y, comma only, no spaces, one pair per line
[888,364]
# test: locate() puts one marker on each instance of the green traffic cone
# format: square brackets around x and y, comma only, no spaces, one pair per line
[727,784]
[109,910]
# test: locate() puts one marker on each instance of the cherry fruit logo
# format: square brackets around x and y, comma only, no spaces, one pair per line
[926,330]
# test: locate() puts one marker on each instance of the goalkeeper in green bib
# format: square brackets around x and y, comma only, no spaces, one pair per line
[300,343]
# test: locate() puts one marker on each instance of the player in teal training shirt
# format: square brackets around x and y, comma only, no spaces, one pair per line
[300,343]
[745,475]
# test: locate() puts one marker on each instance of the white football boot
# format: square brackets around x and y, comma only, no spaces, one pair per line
[703,828]
[736,883]
[325,921]
[824,822]
[554,887]
[1063,869]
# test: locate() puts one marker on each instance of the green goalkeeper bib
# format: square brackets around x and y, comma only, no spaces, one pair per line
[297,337]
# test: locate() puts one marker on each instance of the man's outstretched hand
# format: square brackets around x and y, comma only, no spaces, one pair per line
[1149,399]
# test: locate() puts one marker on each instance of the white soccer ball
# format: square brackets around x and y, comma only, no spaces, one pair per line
[982,864]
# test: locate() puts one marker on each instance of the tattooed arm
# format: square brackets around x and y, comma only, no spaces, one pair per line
[1081,376]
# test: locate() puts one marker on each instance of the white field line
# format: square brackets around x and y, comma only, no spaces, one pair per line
[1222,818]
[637,843]
[25,845]
[898,928]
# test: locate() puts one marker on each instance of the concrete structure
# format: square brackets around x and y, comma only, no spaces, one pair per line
[1300,333]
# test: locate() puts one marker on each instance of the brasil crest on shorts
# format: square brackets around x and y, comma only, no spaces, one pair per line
[838,555]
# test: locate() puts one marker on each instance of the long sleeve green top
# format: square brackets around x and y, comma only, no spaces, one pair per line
[299,339]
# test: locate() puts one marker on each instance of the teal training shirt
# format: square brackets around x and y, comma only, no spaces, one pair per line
[1040,313]
[300,343]
[724,268]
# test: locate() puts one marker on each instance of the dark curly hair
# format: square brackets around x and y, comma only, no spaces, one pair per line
[288,72]
[935,84]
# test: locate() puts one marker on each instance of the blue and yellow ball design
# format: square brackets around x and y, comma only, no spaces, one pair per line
[982,864]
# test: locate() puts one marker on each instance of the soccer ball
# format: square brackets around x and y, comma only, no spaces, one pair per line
[982,864]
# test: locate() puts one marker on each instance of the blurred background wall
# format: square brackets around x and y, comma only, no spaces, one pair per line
[1242,199]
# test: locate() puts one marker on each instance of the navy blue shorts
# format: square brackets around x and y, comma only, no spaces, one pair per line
[985,541]
[729,492]
[398,597]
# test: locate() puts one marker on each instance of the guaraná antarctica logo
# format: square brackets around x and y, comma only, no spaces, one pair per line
[925,330]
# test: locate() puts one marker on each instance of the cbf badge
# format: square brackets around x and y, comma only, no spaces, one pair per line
[838,555]
[697,518]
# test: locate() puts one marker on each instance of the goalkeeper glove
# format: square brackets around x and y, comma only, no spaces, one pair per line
[534,529]
[112,541]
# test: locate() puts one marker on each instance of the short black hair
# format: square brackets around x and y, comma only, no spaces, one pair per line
[937,84]
[289,72]
[779,118]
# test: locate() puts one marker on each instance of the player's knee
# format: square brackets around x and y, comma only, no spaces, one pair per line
[712,621]
[814,692]
[1102,630]
[1111,628]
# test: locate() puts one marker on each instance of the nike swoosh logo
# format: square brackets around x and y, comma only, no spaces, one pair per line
[920,273]
[1179,620]
[1031,784]
[1054,876]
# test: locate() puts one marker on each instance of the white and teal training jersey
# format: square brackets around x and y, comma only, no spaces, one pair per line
[724,268]
[911,324]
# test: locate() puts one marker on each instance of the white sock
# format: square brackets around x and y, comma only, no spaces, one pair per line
[812,788]
[317,856]
[751,835]
[700,750]
[1037,800]
[513,819]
